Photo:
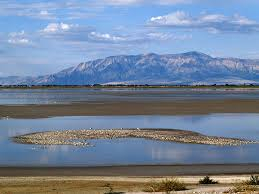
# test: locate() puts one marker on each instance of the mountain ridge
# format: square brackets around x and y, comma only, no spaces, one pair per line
[192,68]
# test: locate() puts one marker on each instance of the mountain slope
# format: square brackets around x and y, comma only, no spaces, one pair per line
[185,68]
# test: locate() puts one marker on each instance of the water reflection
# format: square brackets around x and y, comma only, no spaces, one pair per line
[183,153]
[132,151]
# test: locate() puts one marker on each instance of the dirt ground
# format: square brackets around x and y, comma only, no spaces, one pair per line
[130,108]
[132,170]
[100,185]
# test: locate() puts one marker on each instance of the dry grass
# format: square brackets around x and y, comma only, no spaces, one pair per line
[70,187]
[243,187]
[166,185]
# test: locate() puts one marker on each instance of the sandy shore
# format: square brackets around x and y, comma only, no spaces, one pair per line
[122,179]
[131,108]
[80,137]
[100,185]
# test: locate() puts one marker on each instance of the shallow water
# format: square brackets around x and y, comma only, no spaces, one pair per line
[54,96]
[131,151]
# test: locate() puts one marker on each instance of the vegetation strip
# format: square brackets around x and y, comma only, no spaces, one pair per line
[80,137]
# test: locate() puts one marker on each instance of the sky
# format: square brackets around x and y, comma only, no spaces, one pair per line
[39,37]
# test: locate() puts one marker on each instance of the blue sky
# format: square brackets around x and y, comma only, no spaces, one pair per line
[42,36]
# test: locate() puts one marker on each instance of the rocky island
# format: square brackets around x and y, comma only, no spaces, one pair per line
[80,137]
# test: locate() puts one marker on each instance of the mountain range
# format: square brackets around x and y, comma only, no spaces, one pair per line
[185,68]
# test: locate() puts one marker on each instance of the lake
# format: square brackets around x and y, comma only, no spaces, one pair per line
[131,151]
[62,96]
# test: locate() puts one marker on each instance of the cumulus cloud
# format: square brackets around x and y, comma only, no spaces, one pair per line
[18,38]
[80,34]
[214,23]
[77,33]
[57,27]
[66,32]
[178,18]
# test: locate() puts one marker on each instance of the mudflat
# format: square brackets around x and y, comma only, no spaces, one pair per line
[133,170]
[137,107]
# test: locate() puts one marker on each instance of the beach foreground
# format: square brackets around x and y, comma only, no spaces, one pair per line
[121,184]
[128,179]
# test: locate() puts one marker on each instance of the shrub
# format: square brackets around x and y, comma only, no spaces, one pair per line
[166,186]
[207,180]
[254,180]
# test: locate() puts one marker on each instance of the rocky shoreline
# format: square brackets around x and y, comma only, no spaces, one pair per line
[80,137]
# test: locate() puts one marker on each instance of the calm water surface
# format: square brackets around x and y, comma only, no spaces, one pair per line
[131,151]
[53,96]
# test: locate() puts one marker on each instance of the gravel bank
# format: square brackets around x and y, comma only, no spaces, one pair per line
[80,137]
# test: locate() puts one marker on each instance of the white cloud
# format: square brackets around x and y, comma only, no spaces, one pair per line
[178,18]
[76,33]
[211,22]
[241,20]
[15,34]
[18,41]
[44,14]
[213,18]
[18,38]
[134,39]
[106,37]
[158,36]
[81,34]
[57,27]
